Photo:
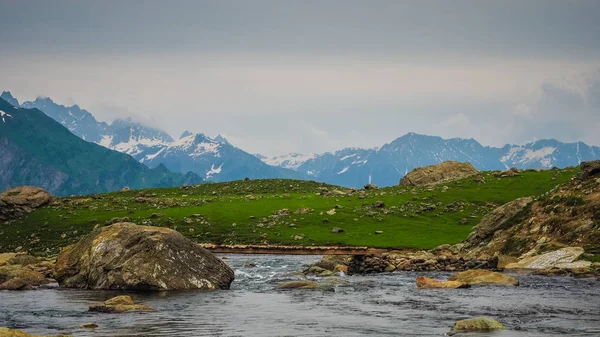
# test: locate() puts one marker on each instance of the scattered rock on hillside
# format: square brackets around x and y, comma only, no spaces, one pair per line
[378,204]
[479,324]
[484,277]
[564,258]
[6,332]
[513,172]
[18,201]
[337,230]
[438,173]
[127,256]
[119,304]
[371,187]
[304,210]
[428,283]
[126,189]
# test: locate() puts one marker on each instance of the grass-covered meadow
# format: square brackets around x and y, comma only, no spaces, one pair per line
[254,212]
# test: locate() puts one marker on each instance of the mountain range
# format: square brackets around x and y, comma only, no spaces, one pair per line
[216,159]
[37,150]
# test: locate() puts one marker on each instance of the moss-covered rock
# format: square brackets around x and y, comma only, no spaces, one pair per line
[301,284]
[484,277]
[479,324]
[119,304]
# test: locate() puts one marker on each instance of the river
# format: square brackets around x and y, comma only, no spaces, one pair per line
[373,305]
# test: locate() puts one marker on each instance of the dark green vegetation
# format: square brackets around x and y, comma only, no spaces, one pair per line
[253,212]
[36,150]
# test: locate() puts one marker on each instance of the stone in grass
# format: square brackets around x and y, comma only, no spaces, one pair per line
[119,304]
[478,324]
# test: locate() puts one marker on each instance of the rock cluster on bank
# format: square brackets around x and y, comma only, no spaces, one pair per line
[21,271]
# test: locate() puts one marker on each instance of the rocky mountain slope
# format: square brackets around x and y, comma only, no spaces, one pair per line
[213,159]
[36,150]
[386,165]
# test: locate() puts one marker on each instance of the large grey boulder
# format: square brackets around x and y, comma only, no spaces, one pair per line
[438,173]
[127,256]
[22,200]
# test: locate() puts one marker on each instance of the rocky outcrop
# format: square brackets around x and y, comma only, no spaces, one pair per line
[428,283]
[512,172]
[479,324]
[484,277]
[496,220]
[438,173]
[19,201]
[564,258]
[589,169]
[6,332]
[127,256]
[119,304]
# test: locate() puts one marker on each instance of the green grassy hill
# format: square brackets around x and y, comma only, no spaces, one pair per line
[243,212]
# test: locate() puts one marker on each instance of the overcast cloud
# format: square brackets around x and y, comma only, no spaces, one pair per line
[313,76]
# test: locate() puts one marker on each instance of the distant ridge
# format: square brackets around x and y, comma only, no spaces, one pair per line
[218,160]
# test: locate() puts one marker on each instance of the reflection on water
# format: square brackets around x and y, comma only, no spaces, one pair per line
[379,305]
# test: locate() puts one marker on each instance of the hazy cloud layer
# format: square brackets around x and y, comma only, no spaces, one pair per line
[313,76]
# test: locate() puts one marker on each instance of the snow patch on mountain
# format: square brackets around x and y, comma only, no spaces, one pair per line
[344,170]
[521,156]
[289,161]
[213,171]
[2,114]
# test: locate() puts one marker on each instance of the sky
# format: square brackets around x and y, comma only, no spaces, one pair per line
[279,76]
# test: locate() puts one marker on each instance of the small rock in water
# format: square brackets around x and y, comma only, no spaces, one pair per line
[89,326]
[428,283]
[6,332]
[479,324]
[119,304]
[303,284]
[484,277]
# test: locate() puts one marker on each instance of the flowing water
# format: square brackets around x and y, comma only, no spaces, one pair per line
[374,305]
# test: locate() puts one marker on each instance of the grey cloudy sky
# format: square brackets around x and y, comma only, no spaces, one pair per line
[314,76]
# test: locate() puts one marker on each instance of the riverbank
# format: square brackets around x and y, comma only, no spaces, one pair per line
[386,304]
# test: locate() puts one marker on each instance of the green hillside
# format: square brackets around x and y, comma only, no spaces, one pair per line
[242,212]
[36,150]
